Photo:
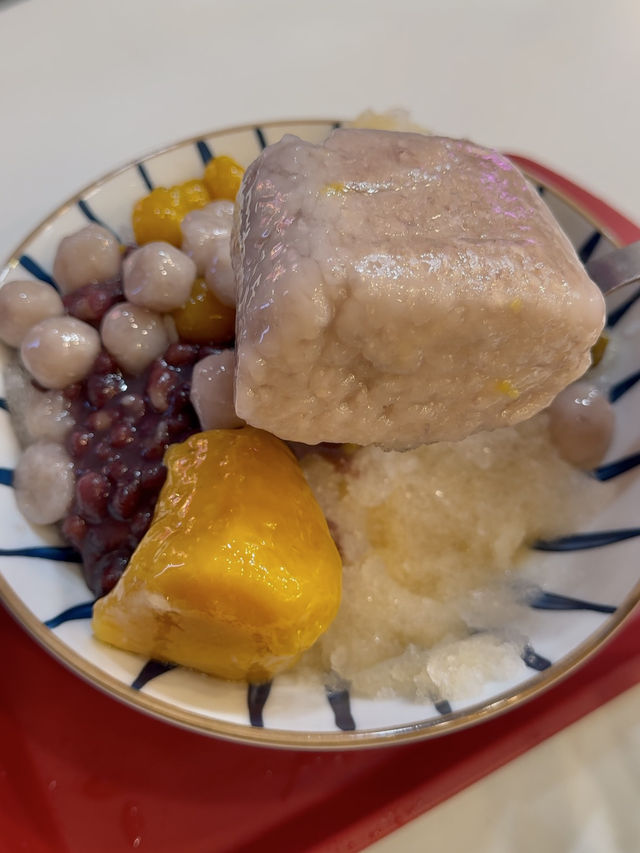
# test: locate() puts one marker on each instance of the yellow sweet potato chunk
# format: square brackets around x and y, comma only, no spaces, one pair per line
[238,574]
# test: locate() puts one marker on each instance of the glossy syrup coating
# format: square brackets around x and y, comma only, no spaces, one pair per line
[123,425]
[238,574]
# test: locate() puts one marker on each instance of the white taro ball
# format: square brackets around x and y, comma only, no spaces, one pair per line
[581,422]
[91,255]
[134,336]
[22,305]
[59,351]
[44,482]
[159,277]
[212,391]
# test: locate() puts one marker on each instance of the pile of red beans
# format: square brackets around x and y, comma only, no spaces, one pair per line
[134,354]
[122,429]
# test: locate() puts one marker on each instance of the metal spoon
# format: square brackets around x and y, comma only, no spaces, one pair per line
[616,269]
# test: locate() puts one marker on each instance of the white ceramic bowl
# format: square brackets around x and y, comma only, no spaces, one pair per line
[595,572]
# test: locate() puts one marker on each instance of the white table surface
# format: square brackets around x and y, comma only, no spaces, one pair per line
[87,85]
[575,793]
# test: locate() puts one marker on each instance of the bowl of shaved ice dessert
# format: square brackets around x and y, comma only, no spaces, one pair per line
[315,434]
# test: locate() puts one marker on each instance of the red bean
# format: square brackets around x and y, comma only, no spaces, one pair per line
[132,407]
[92,301]
[141,522]
[104,386]
[125,500]
[161,382]
[153,476]
[73,392]
[103,574]
[92,494]
[79,441]
[75,529]
[180,354]
[100,420]
[105,363]
[122,434]
[115,469]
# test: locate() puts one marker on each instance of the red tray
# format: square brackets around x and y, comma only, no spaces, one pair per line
[80,772]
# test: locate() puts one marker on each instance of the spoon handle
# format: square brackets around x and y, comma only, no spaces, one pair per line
[616,269]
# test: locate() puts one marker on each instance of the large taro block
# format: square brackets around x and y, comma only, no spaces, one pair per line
[395,288]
